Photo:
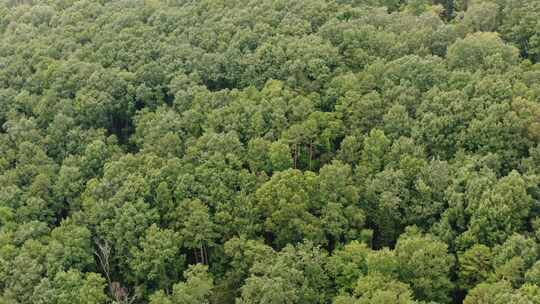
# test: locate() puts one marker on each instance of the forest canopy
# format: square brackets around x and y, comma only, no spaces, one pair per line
[269,151]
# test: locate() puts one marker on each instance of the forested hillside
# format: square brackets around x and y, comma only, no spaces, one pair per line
[269,151]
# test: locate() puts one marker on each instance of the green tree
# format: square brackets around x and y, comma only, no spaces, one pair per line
[296,275]
[481,51]
[341,215]
[475,266]
[242,254]
[376,288]
[70,248]
[512,258]
[157,263]
[373,160]
[285,202]
[280,156]
[195,227]
[482,16]
[491,293]
[196,289]
[71,287]
[348,264]
[500,212]
[425,264]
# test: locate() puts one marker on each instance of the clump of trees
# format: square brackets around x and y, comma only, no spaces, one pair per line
[248,151]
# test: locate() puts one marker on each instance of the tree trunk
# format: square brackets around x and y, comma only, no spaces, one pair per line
[295,155]
[310,154]
[202,253]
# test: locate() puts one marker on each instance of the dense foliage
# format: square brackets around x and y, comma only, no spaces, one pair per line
[269,151]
